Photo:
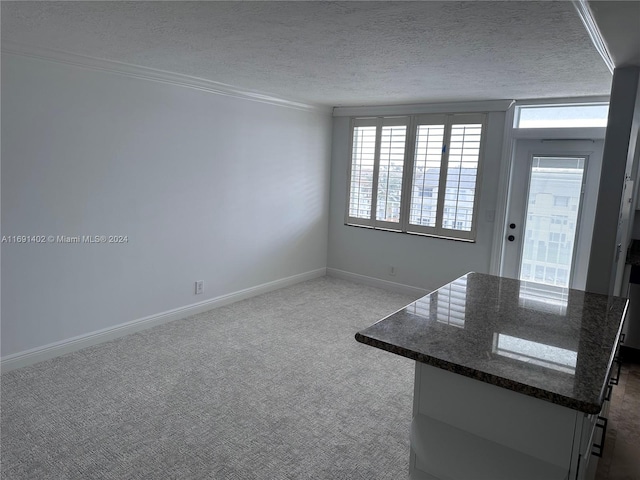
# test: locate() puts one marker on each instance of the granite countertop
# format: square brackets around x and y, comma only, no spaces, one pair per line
[547,342]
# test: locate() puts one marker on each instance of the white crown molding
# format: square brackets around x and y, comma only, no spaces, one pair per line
[69,345]
[585,14]
[561,100]
[151,74]
[418,108]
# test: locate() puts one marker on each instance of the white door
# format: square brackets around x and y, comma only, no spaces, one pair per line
[552,202]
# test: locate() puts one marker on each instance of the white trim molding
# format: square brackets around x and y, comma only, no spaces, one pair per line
[555,101]
[154,75]
[376,282]
[46,352]
[583,133]
[500,217]
[415,109]
[585,14]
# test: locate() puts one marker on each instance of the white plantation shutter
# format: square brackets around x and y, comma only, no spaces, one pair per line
[376,172]
[462,174]
[362,167]
[392,148]
[426,174]
[416,174]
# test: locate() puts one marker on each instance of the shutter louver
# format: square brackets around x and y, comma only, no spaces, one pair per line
[392,146]
[462,171]
[426,175]
[416,174]
[362,166]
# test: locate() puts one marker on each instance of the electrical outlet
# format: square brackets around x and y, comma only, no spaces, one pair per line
[392,271]
[199,287]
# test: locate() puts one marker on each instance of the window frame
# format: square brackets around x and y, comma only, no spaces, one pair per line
[413,122]
[524,106]
[379,123]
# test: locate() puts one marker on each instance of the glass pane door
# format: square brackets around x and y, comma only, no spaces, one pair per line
[551,222]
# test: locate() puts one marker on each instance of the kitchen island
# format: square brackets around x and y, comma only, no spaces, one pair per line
[511,377]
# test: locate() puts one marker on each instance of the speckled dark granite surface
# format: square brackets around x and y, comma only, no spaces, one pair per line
[547,342]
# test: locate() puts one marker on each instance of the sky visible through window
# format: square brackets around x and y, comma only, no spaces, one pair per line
[562,116]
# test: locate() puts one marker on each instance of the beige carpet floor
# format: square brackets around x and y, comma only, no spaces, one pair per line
[273,387]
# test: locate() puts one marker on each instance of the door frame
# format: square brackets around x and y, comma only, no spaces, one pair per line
[530,151]
[511,135]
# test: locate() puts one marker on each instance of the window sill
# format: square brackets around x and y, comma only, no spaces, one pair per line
[418,234]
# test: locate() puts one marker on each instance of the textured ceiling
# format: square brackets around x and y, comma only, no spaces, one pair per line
[334,53]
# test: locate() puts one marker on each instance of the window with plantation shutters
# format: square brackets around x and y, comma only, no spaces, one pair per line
[392,146]
[362,163]
[416,174]
[378,151]
[427,167]
[462,172]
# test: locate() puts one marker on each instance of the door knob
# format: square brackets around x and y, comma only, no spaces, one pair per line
[512,226]
[511,238]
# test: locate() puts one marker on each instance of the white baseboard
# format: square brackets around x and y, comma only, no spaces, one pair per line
[46,352]
[376,282]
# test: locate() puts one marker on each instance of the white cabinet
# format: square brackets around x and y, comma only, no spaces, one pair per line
[518,369]
[593,432]
[465,429]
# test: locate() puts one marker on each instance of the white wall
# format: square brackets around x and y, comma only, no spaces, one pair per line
[206,187]
[422,262]
[621,142]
